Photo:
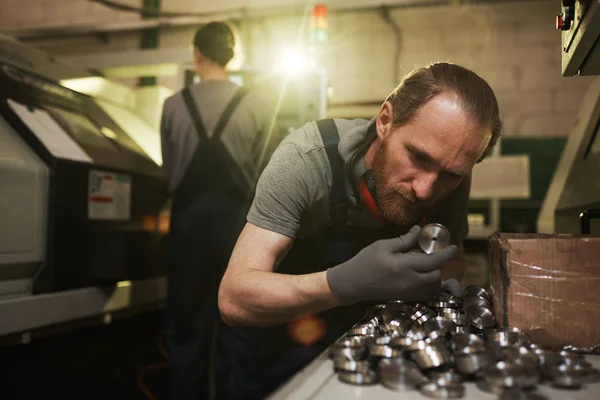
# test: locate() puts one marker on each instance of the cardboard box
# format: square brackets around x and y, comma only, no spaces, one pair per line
[548,286]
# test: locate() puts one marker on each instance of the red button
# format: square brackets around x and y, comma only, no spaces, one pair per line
[559,22]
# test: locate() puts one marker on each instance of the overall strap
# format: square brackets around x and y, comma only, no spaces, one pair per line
[338,205]
[190,104]
[223,120]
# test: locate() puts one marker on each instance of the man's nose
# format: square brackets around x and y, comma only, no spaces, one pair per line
[424,184]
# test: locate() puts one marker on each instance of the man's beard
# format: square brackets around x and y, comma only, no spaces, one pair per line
[395,205]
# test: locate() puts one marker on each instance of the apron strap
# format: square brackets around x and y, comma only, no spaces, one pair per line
[338,202]
[223,120]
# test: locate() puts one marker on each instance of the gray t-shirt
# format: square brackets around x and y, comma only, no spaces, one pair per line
[293,192]
[243,136]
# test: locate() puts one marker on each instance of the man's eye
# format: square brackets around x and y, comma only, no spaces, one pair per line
[419,158]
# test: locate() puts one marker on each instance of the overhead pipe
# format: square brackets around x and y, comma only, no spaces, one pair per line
[233,14]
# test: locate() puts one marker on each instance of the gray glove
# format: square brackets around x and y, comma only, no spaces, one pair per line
[453,287]
[383,272]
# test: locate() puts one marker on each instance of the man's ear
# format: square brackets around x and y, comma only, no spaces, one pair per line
[385,119]
[198,57]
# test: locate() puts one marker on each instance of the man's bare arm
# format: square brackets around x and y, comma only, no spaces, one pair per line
[252,294]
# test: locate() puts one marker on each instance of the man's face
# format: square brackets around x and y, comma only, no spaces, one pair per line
[419,164]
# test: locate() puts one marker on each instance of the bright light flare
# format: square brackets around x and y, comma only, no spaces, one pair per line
[294,60]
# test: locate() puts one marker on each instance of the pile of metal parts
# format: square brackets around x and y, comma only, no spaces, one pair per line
[435,348]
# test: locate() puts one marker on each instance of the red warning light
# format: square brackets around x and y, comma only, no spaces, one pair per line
[318,23]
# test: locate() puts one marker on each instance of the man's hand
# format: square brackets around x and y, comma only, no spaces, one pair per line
[384,271]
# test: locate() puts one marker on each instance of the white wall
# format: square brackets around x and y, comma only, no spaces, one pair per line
[513,45]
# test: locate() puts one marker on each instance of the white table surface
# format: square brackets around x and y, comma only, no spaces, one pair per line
[318,381]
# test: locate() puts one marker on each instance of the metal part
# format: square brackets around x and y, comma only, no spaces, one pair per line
[460,341]
[572,379]
[520,394]
[470,363]
[445,378]
[508,337]
[433,355]
[352,348]
[459,319]
[476,291]
[355,378]
[422,315]
[476,301]
[481,317]
[380,347]
[485,386]
[400,374]
[438,327]
[519,355]
[433,390]
[511,375]
[361,330]
[342,364]
[433,238]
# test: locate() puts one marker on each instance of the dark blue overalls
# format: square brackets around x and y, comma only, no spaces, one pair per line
[253,362]
[207,215]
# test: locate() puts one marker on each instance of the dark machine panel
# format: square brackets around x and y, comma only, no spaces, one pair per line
[104,192]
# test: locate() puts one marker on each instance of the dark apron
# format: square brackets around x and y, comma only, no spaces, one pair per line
[254,361]
[207,215]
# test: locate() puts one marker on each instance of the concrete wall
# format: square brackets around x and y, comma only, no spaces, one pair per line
[514,46]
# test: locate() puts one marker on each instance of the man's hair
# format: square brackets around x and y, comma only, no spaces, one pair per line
[215,41]
[475,96]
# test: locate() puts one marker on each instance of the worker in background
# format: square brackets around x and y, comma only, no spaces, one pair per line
[335,214]
[212,134]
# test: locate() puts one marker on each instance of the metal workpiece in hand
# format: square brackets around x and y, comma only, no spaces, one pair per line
[388,270]
[433,238]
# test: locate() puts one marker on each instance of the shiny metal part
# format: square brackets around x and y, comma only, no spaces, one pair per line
[342,364]
[519,355]
[477,291]
[362,330]
[508,337]
[432,356]
[352,348]
[511,375]
[476,301]
[445,378]
[435,391]
[547,358]
[433,238]
[355,378]
[572,380]
[520,394]
[469,363]
[459,319]
[442,304]
[423,315]
[401,342]
[416,333]
[383,351]
[483,385]
[461,340]
[436,327]
[400,374]
[481,317]
[448,298]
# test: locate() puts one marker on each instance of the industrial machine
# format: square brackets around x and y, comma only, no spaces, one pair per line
[575,188]
[79,232]
[579,23]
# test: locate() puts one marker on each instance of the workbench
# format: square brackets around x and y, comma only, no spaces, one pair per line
[318,381]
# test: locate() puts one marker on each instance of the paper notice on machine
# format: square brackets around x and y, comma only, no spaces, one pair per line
[548,286]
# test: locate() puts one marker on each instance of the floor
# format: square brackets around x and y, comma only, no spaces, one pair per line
[91,363]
